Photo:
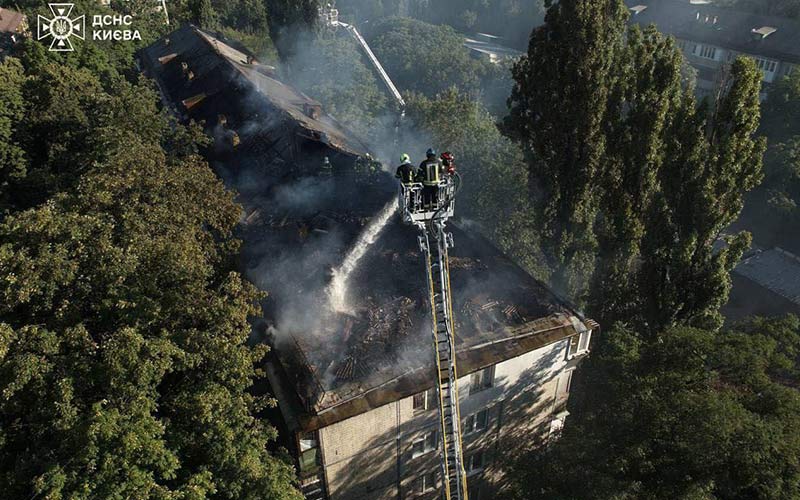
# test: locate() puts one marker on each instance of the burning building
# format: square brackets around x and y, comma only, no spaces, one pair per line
[348,311]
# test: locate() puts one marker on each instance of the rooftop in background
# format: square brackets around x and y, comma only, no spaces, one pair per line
[12,21]
[776,270]
[489,45]
[755,34]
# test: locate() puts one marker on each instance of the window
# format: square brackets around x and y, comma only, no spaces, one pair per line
[766,65]
[564,383]
[424,444]
[579,344]
[681,44]
[474,463]
[425,482]
[481,380]
[423,401]
[309,456]
[477,422]
[705,51]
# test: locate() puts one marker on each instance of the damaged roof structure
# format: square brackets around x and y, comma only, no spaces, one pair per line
[299,223]
[205,78]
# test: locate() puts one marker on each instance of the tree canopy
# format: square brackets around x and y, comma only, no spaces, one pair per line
[425,58]
[633,180]
[124,367]
[694,415]
[493,168]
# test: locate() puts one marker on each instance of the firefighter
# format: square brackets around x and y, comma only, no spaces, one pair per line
[449,162]
[429,174]
[327,168]
[405,172]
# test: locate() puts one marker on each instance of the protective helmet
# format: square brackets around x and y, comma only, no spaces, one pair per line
[431,152]
[447,157]
[404,158]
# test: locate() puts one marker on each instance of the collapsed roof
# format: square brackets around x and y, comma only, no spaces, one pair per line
[333,363]
[205,78]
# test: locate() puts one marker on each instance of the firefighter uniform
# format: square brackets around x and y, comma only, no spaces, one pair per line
[405,173]
[430,173]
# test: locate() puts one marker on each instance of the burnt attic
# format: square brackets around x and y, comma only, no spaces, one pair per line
[243,106]
[301,222]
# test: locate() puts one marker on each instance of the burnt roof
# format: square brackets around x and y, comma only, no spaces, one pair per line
[296,228]
[733,29]
[229,81]
[11,21]
[345,364]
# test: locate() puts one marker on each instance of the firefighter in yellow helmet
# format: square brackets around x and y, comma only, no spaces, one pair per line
[405,172]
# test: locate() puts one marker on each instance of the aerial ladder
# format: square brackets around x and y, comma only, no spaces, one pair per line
[330,16]
[434,243]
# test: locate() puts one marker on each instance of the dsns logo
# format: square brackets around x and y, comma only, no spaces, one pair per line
[61,27]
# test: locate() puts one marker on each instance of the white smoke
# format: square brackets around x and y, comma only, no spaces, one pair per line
[338,288]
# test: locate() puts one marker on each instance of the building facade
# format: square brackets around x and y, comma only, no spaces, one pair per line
[392,452]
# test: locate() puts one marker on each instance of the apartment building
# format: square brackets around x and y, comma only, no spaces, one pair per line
[354,385]
[711,37]
[391,451]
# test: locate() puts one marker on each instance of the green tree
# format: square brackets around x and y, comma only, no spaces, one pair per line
[641,108]
[695,414]
[424,58]
[124,365]
[494,189]
[772,211]
[331,70]
[781,110]
[635,184]
[204,14]
[13,164]
[558,112]
[288,19]
[711,161]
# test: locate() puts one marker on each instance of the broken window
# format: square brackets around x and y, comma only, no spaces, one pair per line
[423,400]
[579,344]
[425,444]
[309,452]
[477,422]
[481,380]
[425,482]
[474,462]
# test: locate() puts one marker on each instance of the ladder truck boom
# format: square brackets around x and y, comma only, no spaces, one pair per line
[430,218]
[331,18]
